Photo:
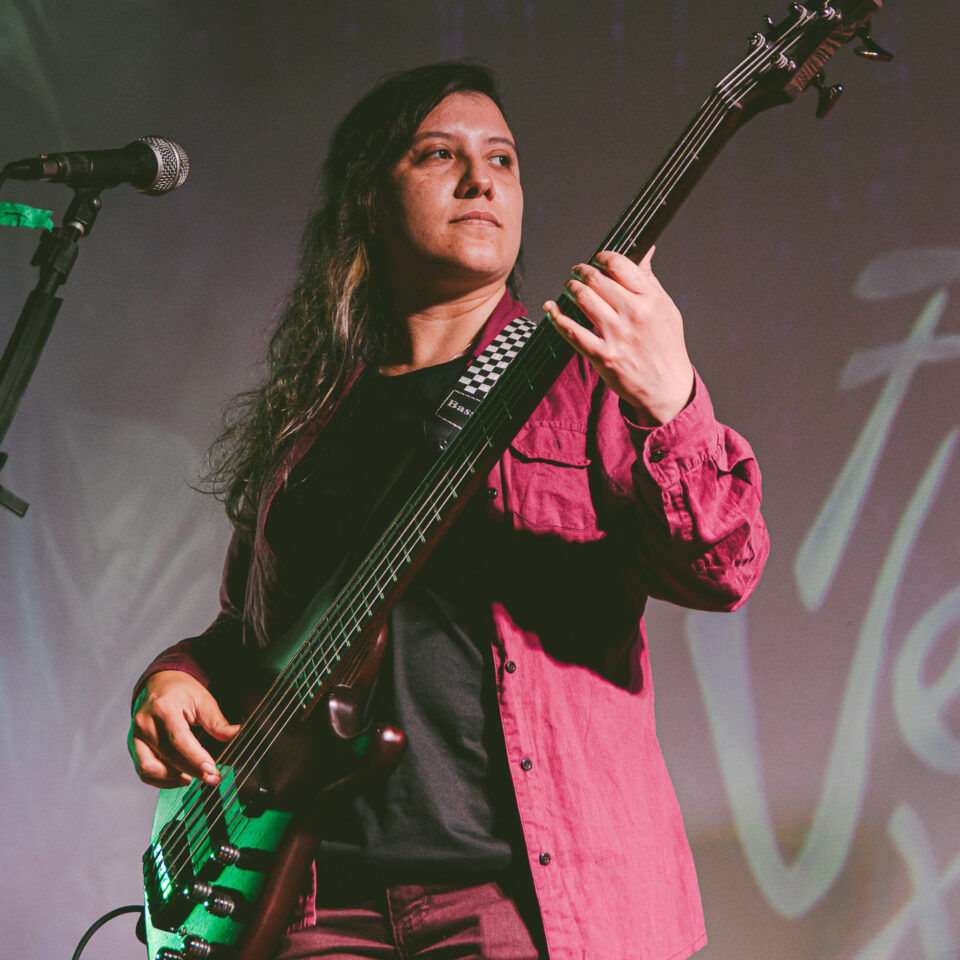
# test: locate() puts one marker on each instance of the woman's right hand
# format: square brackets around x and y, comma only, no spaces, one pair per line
[165,751]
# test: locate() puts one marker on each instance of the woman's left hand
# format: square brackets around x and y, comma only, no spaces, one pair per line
[636,344]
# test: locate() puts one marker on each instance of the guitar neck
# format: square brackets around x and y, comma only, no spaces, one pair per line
[676,175]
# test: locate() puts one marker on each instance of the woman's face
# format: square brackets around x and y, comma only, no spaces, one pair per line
[453,206]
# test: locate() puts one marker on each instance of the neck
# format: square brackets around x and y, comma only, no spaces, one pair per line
[440,331]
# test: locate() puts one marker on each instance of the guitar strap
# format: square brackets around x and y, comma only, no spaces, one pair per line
[479,378]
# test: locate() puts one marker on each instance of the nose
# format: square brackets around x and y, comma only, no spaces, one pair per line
[475,181]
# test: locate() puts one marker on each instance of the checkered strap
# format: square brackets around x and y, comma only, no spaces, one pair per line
[485,371]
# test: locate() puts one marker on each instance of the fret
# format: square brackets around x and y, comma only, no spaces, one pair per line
[305,686]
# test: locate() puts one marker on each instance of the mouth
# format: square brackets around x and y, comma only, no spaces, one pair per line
[477,216]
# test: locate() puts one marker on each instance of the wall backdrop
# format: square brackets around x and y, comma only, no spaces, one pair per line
[814,737]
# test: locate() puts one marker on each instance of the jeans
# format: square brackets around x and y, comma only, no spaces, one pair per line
[408,921]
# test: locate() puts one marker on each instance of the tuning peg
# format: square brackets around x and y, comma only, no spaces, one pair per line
[827,97]
[871,49]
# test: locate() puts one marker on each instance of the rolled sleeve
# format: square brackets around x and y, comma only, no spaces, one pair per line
[702,540]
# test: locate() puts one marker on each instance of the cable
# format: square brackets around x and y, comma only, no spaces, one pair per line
[131,908]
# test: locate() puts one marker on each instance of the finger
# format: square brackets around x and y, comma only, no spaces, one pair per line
[599,298]
[151,769]
[152,744]
[179,746]
[211,718]
[610,259]
[582,340]
[636,277]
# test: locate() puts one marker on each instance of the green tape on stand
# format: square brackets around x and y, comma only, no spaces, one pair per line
[20,215]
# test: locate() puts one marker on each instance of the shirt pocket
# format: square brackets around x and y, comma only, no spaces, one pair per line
[548,480]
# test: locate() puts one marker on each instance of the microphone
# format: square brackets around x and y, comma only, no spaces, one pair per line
[154,165]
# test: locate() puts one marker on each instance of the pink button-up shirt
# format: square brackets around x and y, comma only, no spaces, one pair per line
[671,512]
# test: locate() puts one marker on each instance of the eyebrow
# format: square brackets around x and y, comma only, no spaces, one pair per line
[427,134]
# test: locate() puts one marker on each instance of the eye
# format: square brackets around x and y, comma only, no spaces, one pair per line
[503,160]
[441,153]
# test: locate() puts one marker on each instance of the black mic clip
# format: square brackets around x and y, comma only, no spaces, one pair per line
[55,256]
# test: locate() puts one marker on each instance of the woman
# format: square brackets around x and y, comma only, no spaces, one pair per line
[532,810]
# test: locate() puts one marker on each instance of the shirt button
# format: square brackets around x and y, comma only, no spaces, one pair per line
[657,455]
[510,666]
[492,493]
[526,763]
[544,859]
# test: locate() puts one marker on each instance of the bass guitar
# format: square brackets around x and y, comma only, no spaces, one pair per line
[224,863]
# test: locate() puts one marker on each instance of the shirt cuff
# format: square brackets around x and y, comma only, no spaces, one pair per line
[171,659]
[681,444]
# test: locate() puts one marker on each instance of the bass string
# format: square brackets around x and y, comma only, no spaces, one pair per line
[745,76]
[678,160]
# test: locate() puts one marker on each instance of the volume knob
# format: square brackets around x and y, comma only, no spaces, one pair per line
[218,901]
[196,948]
[221,903]
[227,854]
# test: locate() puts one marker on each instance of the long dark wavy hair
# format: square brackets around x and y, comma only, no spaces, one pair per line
[339,313]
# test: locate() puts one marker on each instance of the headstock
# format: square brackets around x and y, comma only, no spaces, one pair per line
[789,56]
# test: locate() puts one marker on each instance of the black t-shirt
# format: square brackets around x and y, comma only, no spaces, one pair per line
[447,811]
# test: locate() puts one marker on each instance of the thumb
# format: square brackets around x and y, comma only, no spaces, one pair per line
[211,718]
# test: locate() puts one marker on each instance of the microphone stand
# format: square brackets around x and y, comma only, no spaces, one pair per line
[55,256]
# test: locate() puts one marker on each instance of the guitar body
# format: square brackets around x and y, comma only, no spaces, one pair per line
[225,863]
[257,838]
